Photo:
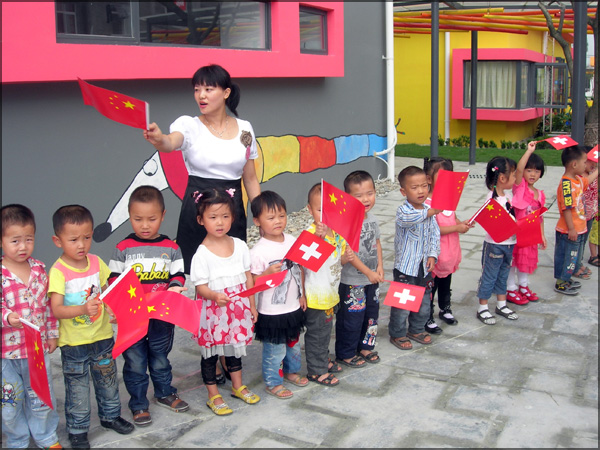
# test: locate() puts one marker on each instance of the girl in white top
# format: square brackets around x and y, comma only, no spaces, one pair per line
[220,269]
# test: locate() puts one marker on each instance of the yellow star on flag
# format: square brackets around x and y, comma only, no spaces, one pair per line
[490,207]
[36,348]
[129,105]
[131,291]
[111,99]
[332,198]
[151,308]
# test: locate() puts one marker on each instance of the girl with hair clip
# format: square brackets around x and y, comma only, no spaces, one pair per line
[220,269]
[450,253]
[496,257]
[526,199]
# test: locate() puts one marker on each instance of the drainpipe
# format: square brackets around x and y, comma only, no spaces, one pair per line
[447,85]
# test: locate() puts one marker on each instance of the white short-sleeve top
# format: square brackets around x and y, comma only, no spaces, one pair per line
[208,156]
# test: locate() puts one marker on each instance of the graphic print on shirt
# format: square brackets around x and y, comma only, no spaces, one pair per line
[369,242]
[80,298]
[10,394]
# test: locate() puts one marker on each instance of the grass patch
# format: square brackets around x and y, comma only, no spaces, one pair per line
[550,156]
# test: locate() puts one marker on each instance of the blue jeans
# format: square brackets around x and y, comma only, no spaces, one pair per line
[585,236]
[151,353]
[416,320]
[23,413]
[79,362]
[278,359]
[566,254]
[496,260]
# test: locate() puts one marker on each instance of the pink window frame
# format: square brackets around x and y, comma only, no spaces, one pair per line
[460,55]
[33,55]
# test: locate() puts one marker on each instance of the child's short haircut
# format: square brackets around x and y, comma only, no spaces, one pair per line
[73,214]
[147,194]
[211,197]
[357,177]
[15,214]
[571,154]
[267,201]
[536,162]
[432,165]
[409,172]
[314,190]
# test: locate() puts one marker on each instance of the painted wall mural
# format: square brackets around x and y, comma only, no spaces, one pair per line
[276,155]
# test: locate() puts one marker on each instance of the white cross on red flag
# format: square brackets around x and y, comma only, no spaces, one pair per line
[593,154]
[310,251]
[404,296]
[560,142]
[263,283]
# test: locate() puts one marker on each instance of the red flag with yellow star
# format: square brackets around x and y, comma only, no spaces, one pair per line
[447,189]
[342,213]
[118,107]
[38,377]
[529,230]
[174,308]
[494,219]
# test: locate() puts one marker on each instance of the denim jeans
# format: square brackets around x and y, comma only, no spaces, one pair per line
[23,413]
[585,236]
[79,362]
[278,359]
[496,260]
[416,320]
[566,254]
[149,353]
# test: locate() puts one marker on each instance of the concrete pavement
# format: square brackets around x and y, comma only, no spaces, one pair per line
[526,383]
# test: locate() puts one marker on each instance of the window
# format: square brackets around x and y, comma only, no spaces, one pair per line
[313,31]
[550,85]
[180,23]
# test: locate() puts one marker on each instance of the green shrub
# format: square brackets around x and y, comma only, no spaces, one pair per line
[515,145]
[493,144]
[440,140]
[523,145]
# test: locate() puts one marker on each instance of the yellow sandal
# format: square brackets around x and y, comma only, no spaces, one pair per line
[219,410]
[250,398]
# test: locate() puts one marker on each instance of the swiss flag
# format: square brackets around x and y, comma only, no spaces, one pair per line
[593,154]
[118,107]
[309,251]
[560,142]
[38,377]
[263,283]
[494,219]
[529,229]
[448,189]
[404,296]
[343,213]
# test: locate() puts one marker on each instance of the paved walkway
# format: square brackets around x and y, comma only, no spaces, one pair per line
[526,383]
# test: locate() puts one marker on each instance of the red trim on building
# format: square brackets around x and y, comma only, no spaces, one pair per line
[30,52]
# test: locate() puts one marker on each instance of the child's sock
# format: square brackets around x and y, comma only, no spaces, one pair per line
[501,304]
[482,307]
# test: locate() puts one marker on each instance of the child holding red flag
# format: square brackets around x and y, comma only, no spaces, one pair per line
[24,289]
[417,247]
[496,257]
[526,199]
[450,253]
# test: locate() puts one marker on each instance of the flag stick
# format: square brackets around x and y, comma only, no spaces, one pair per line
[114,283]
[478,211]
[27,322]
[321,220]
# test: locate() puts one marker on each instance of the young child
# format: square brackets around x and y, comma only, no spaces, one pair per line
[590,201]
[496,257]
[86,335]
[322,298]
[416,248]
[526,199]
[24,288]
[450,253]
[356,318]
[280,310]
[220,268]
[158,263]
[571,226]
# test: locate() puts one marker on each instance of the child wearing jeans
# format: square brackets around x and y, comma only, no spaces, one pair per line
[416,248]
[86,335]
[281,309]
[158,263]
[24,288]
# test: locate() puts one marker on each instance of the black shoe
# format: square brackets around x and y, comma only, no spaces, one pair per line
[79,440]
[432,327]
[220,378]
[564,288]
[449,320]
[574,284]
[120,425]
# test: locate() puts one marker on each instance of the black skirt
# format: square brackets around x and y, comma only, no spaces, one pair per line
[190,233]
[280,328]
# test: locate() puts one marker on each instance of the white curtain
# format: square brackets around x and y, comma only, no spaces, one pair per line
[496,84]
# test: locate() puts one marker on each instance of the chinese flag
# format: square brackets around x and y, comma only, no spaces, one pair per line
[593,154]
[263,283]
[310,251]
[38,377]
[560,142]
[404,296]
[494,219]
[343,213]
[448,189]
[118,107]
[174,308]
[529,229]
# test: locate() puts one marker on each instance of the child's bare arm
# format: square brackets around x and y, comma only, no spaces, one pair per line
[373,277]
[250,285]
[61,311]
[219,298]
[523,162]
[593,175]
[380,270]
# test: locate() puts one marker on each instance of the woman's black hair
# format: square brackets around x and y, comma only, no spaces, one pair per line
[536,162]
[496,166]
[215,75]
[210,197]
